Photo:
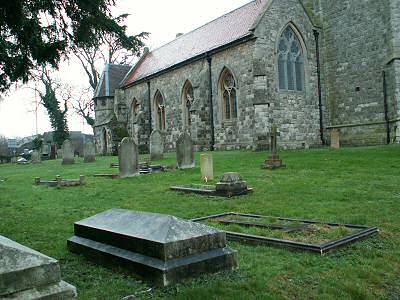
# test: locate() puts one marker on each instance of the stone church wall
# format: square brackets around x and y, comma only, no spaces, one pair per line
[355,49]
[295,113]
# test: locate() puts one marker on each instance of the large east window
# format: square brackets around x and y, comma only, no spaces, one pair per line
[290,61]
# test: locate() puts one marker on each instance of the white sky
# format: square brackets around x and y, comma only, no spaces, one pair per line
[163,19]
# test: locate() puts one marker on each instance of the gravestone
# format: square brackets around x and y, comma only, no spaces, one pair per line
[53,152]
[59,153]
[273,161]
[185,151]
[231,184]
[89,152]
[67,153]
[157,247]
[35,157]
[45,150]
[207,167]
[128,158]
[28,274]
[156,145]
[335,139]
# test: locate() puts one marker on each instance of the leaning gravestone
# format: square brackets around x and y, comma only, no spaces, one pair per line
[156,145]
[27,274]
[206,167]
[128,157]
[185,152]
[89,153]
[67,153]
[35,157]
[160,248]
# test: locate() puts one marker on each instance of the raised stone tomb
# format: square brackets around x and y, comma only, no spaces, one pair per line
[27,274]
[157,247]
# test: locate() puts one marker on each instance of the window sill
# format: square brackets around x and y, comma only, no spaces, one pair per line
[229,122]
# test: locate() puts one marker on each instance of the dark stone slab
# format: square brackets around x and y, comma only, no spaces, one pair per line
[162,248]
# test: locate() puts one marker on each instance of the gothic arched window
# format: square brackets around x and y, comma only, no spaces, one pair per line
[187,101]
[159,106]
[290,62]
[228,92]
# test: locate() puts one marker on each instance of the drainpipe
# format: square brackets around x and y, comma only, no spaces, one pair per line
[385,108]
[149,101]
[209,60]
[321,120]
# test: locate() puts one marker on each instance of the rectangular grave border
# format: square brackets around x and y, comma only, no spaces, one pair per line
[59,182]
[365,231]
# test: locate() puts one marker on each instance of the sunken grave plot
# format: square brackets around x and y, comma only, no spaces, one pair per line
[231,184]
[60,182]
[300,234]
[161,248]
[26,274]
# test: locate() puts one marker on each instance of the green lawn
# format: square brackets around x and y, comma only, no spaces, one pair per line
[352,185]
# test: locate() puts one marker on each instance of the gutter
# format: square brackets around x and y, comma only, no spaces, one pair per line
[246,38]
[321,121]
[212,142]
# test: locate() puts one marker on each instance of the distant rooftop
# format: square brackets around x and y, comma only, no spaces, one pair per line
[230,27]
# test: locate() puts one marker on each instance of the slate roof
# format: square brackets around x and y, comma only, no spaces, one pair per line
[110,80]
[230,27]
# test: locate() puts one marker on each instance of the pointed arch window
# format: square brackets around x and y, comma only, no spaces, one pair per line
[187,102]
[290,62]
[160,111]
[229,95]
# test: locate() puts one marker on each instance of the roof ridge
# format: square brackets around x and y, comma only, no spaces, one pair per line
[197,28]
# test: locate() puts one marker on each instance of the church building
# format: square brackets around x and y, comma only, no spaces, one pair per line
[308,66]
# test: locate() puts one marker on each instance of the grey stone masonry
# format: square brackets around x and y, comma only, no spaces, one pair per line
[185,151]
[26,274]
[67,153]
[128,158]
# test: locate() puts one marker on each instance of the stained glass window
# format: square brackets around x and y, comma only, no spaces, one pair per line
[228,87]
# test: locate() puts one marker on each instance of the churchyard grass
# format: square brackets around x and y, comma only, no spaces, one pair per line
[350,185]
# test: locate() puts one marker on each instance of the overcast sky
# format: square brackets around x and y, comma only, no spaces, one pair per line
[163,19]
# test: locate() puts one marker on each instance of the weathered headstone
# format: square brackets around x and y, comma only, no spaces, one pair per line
[68,153]
[156,145]
[160,248]
[207,167]
[273,161]
[35,157]
[59,153]
[335,139]
[53,152]
[89,152]
[185,151]
[128,158]
[28,274]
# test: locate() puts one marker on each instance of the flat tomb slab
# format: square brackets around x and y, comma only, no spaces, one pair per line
[153,245]
[26,274]
[23,268]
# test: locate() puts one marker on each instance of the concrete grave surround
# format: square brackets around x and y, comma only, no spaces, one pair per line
[185,151]
[67,153]
[26,274]
[35,157]
[207,167]
[128,158]
[89,152]
[160,248]
[156,145]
